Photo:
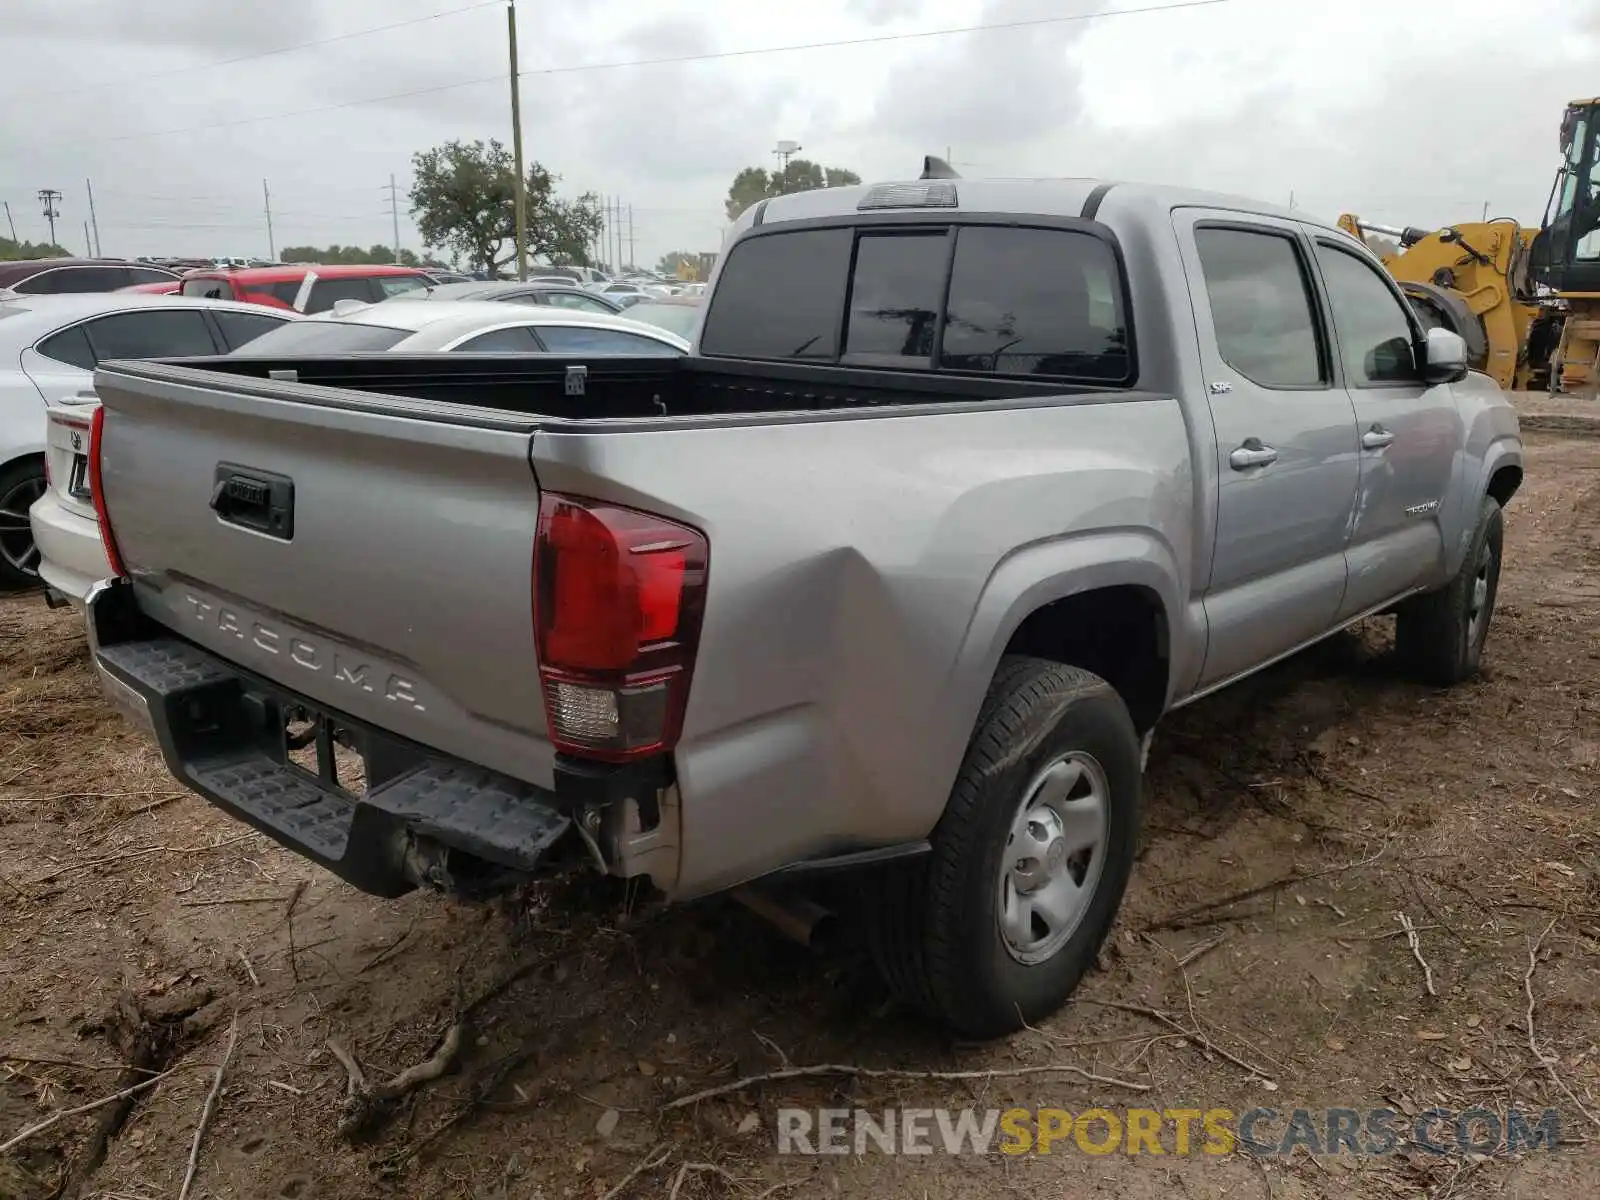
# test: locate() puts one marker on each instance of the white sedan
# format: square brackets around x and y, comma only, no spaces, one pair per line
[466,326]
[49,346]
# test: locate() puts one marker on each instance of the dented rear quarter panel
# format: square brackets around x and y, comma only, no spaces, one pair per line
[862,589]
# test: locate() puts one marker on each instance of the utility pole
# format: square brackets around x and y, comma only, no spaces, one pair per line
[10,222]
[93,220]
[266,207]
[521,186]
[394,215]
[1485,210]
[87,241]
[631,261]
[48,197]
[618,226]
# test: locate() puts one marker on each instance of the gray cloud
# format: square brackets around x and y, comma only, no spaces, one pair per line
[881,12]
[993,89]
[199,24]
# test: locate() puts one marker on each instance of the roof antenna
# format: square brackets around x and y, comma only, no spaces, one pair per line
[934,167]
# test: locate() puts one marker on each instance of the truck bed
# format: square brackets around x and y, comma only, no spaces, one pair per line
[597,388]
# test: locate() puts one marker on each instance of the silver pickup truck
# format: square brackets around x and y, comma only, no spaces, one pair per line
[965,485]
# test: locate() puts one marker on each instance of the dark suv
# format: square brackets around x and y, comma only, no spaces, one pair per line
[49,276]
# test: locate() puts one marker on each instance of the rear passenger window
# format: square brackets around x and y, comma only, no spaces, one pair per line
[208,289]
[1375,336]
[1036,302]
[1261,307]
[781,296]
[895,294]
[518,340]
[393,285]
[575,339]
[151,334]
[70,346]
[239,328]
[58,280]
[325,293]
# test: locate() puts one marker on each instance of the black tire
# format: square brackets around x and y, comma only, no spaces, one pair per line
[20,484]
[1440,636]
[936,921]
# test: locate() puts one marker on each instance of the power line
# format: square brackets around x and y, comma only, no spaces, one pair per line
[228,62]
[1029,23]
[652,62]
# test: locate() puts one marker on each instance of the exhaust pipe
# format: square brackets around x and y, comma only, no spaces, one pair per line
[797,918]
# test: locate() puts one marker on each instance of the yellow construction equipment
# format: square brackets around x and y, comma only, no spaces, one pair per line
[1472,278]
[1565,256]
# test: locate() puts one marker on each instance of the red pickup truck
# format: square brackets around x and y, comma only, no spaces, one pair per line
[304,287]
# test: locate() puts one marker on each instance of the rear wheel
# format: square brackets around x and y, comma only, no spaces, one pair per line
[1440,636]
[20,485]
[997,925]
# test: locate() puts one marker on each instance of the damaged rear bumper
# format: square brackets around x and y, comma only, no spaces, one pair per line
[414,816]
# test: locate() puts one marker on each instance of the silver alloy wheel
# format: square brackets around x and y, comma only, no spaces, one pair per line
[16,534]
[1053,856]
[1480,595]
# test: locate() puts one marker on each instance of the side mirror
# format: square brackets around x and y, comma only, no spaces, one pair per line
[1444,357]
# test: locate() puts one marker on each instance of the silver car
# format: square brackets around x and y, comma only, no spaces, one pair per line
[49,346]
[468,326]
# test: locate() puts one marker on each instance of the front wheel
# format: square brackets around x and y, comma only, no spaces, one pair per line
[1440,636]
[998,924]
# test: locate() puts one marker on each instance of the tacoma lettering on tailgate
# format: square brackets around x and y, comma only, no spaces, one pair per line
[307,654]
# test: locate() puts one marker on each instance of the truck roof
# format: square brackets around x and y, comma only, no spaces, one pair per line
[1051,197]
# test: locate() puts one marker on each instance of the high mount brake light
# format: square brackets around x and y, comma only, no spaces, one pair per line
[97,491]
[618,600]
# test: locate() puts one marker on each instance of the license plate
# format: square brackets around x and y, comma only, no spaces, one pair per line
[78,479]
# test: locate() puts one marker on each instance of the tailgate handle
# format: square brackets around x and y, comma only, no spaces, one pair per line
[260,501]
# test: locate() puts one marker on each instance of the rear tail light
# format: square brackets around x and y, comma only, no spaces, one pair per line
[618,600]
[98,492]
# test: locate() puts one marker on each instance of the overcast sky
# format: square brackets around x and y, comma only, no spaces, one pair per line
[1406,111]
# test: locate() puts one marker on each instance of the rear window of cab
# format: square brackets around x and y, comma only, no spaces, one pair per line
[969,299]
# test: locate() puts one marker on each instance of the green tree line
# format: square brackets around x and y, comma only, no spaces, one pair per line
[11,251]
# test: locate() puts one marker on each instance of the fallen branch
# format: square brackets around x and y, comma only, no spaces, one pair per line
[71,1062]
[1155,1014]
[650,1162]
[140,853]
[388,951]
[684,1170]
[1416,951]
[1547,1061]
[855,1072]
[154,804]
[363,1100]
[1203,948]
[229,900]
[208,1109]
[248,968]
[1175,920]
[83,1108]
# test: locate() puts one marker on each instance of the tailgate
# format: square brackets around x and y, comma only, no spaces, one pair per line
[371,553]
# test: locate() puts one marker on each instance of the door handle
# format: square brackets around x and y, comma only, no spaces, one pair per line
[1252,454]
[1376,438]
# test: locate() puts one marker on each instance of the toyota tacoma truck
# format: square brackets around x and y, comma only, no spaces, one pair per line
[965,484]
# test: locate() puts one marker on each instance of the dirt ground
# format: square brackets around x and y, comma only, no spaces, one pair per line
[140,928]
